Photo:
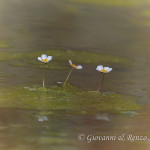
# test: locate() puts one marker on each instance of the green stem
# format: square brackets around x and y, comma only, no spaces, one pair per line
[44,70]
[68,76]
[101,84]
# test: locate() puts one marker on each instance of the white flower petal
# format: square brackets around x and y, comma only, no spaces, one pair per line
[49,58]
[106,68]
[99,68]
[39,58]
[79,67]
[70,62]
[44,56]
[110,69]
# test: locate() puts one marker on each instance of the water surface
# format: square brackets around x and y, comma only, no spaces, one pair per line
[119,30]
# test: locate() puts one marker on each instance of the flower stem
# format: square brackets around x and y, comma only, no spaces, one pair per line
[68,76]
[44,70]
[101,84]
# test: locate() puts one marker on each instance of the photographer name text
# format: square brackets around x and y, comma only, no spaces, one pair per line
[123,137]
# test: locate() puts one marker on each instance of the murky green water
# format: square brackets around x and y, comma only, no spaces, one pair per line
[113,33]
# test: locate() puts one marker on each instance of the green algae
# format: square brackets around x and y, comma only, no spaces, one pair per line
[68,98]
[8,56]
[4,44]
[117,3]
[60,58]
[145,13]
[142,18]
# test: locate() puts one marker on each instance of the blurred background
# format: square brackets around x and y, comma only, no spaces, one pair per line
[112,27]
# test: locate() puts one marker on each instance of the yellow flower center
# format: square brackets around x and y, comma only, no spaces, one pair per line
[103,70]
[45,60]
[73,65]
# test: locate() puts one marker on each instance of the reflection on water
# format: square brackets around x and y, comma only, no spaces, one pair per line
[121,30]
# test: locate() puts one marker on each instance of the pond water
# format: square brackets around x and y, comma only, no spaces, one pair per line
[116,32]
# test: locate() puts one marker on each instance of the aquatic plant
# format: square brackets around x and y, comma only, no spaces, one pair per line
[45,59]
[25,59]
[68,99]
[73,67]
[112,3]
[103,70]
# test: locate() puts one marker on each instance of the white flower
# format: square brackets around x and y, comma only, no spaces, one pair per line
[75,66]
[103,69]
[44,58]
